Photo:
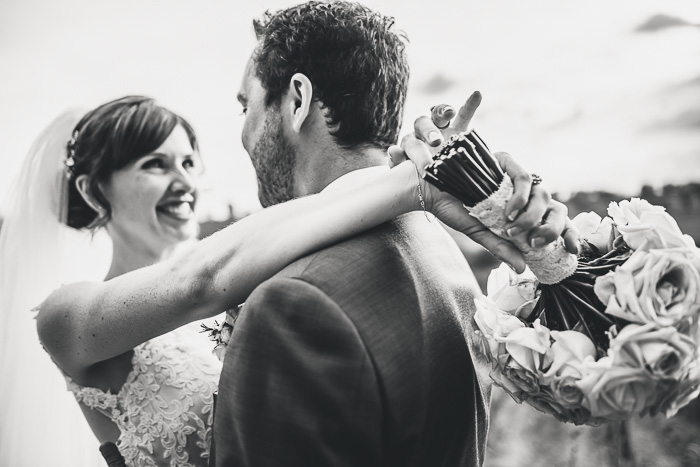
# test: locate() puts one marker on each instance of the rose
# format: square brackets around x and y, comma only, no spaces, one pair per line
[493,323]
[523,378]
[507,385]
[615,392]
[547,403]
[664,352]
[690,327]
[513,293]
[565,388]
[655,230]
[526,348]
[626,212]
[564,360]
[226,331]
[527,345]
[222,335]
[595,230]
[682,393]
[645,226]
[568,347]
[659,286]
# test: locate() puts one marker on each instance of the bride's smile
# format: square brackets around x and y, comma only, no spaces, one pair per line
[178,209]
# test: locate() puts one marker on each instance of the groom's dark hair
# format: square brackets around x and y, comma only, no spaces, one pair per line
[355,61]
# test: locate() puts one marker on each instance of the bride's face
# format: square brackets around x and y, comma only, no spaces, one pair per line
[152,199]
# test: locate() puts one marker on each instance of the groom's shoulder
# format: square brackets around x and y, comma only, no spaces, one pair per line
[410,241]
[391,255]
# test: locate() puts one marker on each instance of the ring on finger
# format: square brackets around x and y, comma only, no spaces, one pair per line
[536,179]
[433,115]
[442,127]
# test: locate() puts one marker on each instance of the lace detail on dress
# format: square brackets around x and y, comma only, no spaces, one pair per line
[165,408]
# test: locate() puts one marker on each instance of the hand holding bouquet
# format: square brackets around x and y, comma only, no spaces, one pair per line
[599,336]
[526,208]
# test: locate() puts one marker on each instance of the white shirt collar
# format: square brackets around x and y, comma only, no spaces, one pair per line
[356,175]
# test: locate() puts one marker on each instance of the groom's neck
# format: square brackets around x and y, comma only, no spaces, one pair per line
[322,166]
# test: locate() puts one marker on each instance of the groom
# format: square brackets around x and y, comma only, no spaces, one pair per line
[354,355]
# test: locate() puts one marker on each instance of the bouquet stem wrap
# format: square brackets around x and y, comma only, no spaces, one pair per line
[550,264]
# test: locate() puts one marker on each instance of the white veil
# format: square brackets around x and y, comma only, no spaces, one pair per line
[40,421]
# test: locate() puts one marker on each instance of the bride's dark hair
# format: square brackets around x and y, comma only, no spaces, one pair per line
[107,139]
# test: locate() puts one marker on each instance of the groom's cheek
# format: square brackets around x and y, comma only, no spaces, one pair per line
[245,138]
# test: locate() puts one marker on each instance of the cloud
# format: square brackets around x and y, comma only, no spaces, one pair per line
[687,119]
[695,82]
[660,21]
[437,85]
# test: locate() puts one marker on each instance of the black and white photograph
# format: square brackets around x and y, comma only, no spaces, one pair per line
[350,233]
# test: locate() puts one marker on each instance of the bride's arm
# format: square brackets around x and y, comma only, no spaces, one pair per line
[85,323]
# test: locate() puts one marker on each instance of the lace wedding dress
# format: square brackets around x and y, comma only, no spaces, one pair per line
[165,408]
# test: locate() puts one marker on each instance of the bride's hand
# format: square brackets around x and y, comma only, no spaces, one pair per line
[445,122]
[529,205]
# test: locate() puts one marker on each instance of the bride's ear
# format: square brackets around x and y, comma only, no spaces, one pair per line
[83,186]
[301,92]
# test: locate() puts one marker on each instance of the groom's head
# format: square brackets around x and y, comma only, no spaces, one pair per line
[326,79]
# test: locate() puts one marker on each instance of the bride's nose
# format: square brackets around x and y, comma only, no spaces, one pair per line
[183,181]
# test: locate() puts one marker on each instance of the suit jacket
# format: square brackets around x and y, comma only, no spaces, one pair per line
[355,356]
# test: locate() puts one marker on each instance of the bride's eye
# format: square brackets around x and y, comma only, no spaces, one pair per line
[244,111]
[154,164]
[188,163]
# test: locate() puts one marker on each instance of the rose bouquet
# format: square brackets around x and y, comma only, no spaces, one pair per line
[599,337]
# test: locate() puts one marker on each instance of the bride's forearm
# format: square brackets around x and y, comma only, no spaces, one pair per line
[262,244]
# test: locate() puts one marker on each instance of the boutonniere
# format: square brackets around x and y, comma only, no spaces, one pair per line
[221,333]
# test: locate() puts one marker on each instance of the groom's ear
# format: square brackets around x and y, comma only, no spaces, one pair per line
[301,92]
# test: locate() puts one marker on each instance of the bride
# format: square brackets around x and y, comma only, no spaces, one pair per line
[129,168]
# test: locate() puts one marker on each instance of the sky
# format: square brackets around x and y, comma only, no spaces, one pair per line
[590,95]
